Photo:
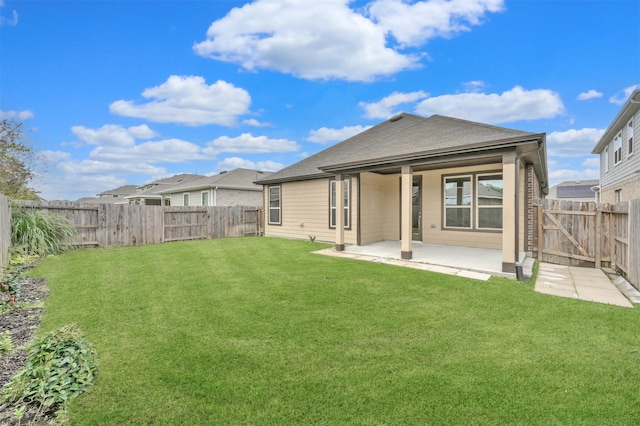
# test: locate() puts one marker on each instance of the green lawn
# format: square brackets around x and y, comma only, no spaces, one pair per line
[262,331]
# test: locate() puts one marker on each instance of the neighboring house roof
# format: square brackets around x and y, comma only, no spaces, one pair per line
[624,115]
[120,191]
[407,139]
[575,189]
[235,179]
[150,190]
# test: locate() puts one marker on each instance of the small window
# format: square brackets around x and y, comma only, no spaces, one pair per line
[618,195]
[346,201]
[617,149]
[274,205]
[489,201]
[185,199]
[630,137]
[205,198]
[457,207]
[605,160]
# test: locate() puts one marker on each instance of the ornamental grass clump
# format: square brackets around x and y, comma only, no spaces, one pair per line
[60,366]
[38,232]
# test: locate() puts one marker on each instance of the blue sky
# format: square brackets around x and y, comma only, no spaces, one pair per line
[124,92]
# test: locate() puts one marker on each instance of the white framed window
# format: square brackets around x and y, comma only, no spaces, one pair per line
[185,199]
[457,202]
[618,195]
[489,190]
[275,205]
[617,149]
[605,160]
[630,137]
[205,198]
[346,201]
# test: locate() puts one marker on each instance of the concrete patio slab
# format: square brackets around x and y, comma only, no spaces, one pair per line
[375,256]
[579,283]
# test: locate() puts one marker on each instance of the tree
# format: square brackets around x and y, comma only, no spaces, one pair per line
[17,161]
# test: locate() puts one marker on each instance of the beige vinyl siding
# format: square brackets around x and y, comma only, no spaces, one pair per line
[372,187]
[432,199]
[522,209]
[305,212]
[624,171]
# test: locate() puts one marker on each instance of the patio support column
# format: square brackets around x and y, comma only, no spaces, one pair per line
[339,199]
[509,211]
[406,209]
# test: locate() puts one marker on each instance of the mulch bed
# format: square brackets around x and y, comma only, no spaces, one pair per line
[23,324]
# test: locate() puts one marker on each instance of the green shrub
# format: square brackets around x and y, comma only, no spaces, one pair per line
[6,345]
[10,283]
[60,366]
[40,233]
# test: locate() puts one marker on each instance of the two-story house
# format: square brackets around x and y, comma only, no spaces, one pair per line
[619,161]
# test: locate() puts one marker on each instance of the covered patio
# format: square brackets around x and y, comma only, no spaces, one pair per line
[484,260]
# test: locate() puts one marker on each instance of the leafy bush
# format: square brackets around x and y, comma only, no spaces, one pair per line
[6,345]
[39,232]
[10,282]
[60,366]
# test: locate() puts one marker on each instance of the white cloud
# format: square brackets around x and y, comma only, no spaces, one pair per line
[113,134]
[255,123]
[247,143]
[384,108]
[169,150]
[16,115]
[573,143]
[188,100]
[513,105]
[325,135]
[236,162]
[329,40]
[13,21]
[591,162]
[561,175]
[412,24]
[473,86]
[590,94]
[622,96]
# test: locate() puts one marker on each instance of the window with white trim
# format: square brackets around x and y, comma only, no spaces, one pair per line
[205,198]
[346,201]
[185,199]
[275,205]
[630,137]
[617,149]
[618,195]
[489,189]
[457,202]
[605,160]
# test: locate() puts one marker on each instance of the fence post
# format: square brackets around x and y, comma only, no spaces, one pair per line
[540,230]
[597,237]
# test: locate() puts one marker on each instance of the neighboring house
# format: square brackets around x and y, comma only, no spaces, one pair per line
[619,162]
[148,195]
[437,180]
[117,195]
[232,188]
[574,190]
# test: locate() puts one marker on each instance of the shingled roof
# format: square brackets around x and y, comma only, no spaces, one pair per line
[401,139]
[234,179]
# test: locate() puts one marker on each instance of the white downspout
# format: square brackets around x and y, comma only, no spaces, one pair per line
[215,196]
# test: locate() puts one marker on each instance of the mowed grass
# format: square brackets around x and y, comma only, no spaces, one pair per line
[263,331]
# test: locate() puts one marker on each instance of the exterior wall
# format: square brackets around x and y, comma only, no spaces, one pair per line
[223,197]
[534,193]
[305,211]
[630,189]
[623,174]
[237,197]
[522,210]
[372,198]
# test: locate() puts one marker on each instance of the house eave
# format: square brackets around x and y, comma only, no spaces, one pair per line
[626,112]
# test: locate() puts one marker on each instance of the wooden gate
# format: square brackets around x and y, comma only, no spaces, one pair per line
[252,222]
[575,233]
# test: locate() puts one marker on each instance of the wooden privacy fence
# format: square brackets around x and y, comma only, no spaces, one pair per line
[115,225]
[5,230]
[590,234]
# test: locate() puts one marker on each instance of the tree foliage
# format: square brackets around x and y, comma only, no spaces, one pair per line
[17,161]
